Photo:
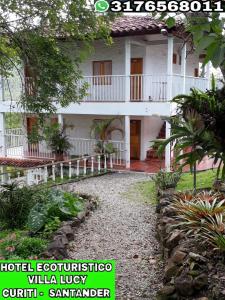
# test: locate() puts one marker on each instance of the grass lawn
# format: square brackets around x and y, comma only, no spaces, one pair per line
[205,179]
[147,189]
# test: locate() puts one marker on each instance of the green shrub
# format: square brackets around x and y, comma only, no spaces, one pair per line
[51,226]
[58,204]
[165,180]
[15,204]
[18,247]
[202,216]
[30,246]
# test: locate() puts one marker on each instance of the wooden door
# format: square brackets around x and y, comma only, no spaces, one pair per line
[33,148]
[135,139]
[136,79]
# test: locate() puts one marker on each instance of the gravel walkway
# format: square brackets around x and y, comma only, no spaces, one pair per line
[122,228]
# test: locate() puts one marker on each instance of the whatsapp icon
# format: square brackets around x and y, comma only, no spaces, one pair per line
[101,6]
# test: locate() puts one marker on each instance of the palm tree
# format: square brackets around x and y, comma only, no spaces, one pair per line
[102,130]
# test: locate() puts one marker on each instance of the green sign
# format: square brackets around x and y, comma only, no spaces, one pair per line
[57,279]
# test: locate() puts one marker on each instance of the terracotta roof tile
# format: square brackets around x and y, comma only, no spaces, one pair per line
[130,25]
[22,163]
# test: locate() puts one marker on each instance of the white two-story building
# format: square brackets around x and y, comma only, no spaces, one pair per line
[134,79]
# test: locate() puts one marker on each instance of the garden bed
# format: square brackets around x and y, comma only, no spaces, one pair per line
[39,223]
[194,257]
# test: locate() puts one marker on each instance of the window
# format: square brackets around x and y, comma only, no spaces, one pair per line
[174,58]
[102,70]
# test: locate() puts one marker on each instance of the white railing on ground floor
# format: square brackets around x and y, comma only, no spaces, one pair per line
[18,146]
[56,172]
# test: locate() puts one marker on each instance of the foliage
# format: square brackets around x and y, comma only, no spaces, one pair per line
[57,139]
[103,147]
[206,32]
[202,215]
[51,226]
[13,120]
[41,33]
[57,204]
[54,135]
[102,130]
[165,180]
[198,127]
[16,246]
[28,247]
[15,203]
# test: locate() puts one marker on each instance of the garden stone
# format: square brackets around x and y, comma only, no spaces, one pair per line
[166,292]
[184,285]
[203,298]
[197,257]
[171,270]
[60,240]
[200,281]
[168,212]
[167,220]
[67,231]
[81,216]
[174,239]
[75,222]
[178,257]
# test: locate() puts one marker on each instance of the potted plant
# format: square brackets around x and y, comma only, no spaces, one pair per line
[58,141]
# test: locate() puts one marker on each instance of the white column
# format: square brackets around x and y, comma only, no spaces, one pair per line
[60,120]
[2,135]
[168,149]
[127,140]
[127,69]
[208,74]
[183,66]
[169,68]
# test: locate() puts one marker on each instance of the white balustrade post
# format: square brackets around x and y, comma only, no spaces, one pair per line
[183,66]
[170,68]
[29,177]
[53,172]
[85,166]
[45,174]
[99,164]
[168,149]
[9,177]
[92,164]
[70,170]
[78,168]
[18,175]
[105,162]
[2,135]
[61,170]
[111,161]
[127,140]
[127,68]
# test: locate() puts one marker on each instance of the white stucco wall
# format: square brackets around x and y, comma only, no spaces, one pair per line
[150,127]
[154,57]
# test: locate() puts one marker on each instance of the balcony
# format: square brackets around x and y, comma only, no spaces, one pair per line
[120,88]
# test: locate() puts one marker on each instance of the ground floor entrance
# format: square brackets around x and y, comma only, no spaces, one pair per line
[135,139]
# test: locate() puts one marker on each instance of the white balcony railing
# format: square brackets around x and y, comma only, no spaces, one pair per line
[112,88]
[19,147]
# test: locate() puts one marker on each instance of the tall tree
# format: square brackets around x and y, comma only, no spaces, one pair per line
[51,38]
